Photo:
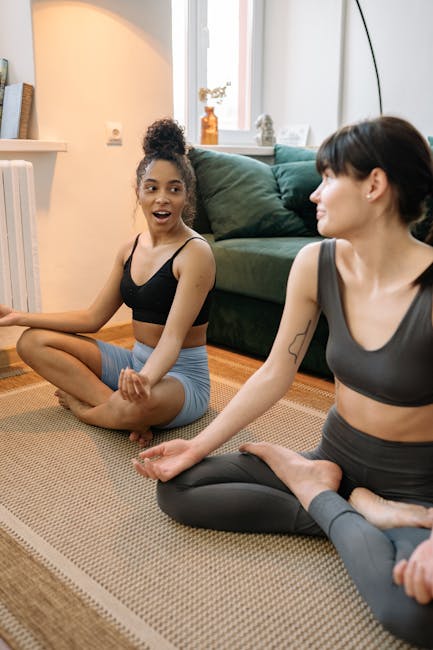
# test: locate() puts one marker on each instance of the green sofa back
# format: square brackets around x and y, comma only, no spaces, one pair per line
[238,196]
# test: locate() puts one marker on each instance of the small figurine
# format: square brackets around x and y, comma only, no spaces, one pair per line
[265,135]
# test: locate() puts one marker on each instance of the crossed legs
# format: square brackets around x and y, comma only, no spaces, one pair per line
[307,479]
[277,490]
[72,363]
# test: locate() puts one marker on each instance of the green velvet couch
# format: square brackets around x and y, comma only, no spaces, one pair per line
[256,217]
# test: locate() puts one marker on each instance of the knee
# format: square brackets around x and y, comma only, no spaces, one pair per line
[29,340]
[172,499]
[412,623]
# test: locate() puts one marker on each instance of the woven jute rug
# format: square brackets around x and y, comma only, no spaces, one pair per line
[88,561]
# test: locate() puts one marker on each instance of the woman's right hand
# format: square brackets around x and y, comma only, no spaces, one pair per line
[8,316]
[166,460]
[416,573]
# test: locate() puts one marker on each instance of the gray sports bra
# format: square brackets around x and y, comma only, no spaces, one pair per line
[398,373]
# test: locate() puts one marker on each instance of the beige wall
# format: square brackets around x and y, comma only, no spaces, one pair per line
[94,61]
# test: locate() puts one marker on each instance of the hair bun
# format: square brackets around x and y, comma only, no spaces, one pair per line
[164,136]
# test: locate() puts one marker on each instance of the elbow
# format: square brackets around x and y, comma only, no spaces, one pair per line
[95,328]
[93,322]
[279,380]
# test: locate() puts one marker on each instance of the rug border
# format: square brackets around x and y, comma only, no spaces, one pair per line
[88,588]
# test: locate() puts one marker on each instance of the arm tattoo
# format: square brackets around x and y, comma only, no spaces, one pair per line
[295,346]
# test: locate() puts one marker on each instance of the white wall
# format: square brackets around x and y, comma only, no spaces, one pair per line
[302,62]
[16,41]
[16,44]
[402,37]
[94,61]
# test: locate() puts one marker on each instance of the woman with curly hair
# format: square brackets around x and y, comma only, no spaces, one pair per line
[166,276]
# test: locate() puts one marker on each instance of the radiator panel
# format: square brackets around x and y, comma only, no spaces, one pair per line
[19,260]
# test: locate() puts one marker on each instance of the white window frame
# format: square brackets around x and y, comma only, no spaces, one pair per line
[195,73]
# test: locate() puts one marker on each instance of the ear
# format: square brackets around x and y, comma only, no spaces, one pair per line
[376,184]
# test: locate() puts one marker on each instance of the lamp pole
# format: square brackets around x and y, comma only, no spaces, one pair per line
[379,92]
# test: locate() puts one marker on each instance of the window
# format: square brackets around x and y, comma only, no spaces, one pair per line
[215,42]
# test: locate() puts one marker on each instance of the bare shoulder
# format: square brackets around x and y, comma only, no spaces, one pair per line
[196,261]
[125,249]
[303,276]
[198,249]
[308,258]
[199,242]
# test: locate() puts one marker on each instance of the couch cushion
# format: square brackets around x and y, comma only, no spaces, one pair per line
[241,197]
[201,221]
[256,267]
[296,181]
[285,153]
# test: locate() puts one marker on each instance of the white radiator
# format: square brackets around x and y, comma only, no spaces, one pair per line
[19,261]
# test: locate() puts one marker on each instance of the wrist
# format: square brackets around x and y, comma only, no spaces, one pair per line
[21,319]
[201,447]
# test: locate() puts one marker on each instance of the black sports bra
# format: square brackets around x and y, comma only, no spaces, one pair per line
[151,302]
[398,373]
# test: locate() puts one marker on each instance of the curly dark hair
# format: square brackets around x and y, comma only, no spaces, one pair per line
[165,140]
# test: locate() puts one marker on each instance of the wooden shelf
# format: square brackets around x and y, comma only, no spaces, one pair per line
[41,146]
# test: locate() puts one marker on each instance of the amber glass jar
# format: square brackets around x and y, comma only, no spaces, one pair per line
[209,127]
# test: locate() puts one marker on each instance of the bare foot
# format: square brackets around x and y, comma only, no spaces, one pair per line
[76,406]
[61,396]
[144,438]
[390,514]
[305,478]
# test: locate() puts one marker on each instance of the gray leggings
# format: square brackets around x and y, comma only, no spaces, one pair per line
[239,492]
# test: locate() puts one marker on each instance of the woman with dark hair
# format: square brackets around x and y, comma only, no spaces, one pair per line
[166,275]
[368,485]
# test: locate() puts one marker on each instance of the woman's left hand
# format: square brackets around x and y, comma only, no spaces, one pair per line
[416,573]
[133,386]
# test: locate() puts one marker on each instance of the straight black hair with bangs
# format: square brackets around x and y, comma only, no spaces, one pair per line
[391,144]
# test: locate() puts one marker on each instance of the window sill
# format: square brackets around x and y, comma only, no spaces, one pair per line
[31,145]
[245,149]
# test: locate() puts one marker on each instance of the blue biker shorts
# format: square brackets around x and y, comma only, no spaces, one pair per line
[191,369]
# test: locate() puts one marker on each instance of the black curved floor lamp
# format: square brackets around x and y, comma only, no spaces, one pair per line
[372,55]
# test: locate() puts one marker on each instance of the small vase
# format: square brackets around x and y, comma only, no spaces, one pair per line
[209,127]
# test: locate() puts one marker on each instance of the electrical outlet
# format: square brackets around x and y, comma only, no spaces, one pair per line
[114,132]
